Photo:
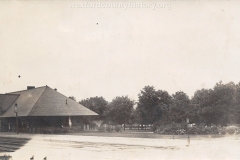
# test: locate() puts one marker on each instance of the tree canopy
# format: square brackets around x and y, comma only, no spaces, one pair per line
[219,105]
[151,104]
[96,104]
[120,110]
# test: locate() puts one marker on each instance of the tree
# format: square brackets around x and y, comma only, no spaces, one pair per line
[120,110]
[180,107]
[224,103]
[201,103]
[152,104]
[147,102]
[237,107]
[96,104]
[218,105]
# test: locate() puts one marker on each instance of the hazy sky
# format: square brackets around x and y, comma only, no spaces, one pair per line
[112,51]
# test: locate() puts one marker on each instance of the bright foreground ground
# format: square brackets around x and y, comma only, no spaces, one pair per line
[76,147]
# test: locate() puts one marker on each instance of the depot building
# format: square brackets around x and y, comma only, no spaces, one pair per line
[43,107]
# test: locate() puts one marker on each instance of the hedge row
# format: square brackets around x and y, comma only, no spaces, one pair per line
[109,129]
[170,130]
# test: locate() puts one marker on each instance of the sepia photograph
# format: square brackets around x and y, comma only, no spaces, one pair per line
[119,80]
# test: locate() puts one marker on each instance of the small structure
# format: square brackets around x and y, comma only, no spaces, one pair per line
[40,108]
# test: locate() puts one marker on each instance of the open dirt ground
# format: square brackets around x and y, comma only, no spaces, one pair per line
[75,147]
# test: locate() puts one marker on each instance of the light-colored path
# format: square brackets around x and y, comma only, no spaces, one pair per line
[70,147]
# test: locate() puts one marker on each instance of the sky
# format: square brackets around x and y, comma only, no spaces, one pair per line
[115,48]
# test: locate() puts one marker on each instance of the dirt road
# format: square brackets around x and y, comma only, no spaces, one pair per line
[72,147]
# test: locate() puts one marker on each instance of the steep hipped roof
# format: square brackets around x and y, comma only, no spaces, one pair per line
[44,101]
[6,100]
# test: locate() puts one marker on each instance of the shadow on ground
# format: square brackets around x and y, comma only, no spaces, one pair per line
[11,144]
[5,157]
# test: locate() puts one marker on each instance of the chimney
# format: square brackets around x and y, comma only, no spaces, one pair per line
[30,87]
[55,89]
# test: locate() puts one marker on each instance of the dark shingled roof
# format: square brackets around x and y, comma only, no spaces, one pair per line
[44,101]
[6,100]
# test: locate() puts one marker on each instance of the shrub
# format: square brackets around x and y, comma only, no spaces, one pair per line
[169,129]
[158,130]
[222,130]
[118,128]
[200,129]
[206,130]
[64,130]
[101,129]
[231,130]
[109,129]
[56,130]
[237,131]
[194,130]
[156,126]
[181,132]
[214,130]
[184,125]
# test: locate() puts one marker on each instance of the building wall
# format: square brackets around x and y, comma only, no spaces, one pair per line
[33,124]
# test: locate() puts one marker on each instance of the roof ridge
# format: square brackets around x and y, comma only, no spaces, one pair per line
[63,95]
[37,100]
[26,89]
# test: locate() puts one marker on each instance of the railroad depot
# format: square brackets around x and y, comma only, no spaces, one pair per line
[39,109]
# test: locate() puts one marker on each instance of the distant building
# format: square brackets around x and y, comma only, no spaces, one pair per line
[40,108]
